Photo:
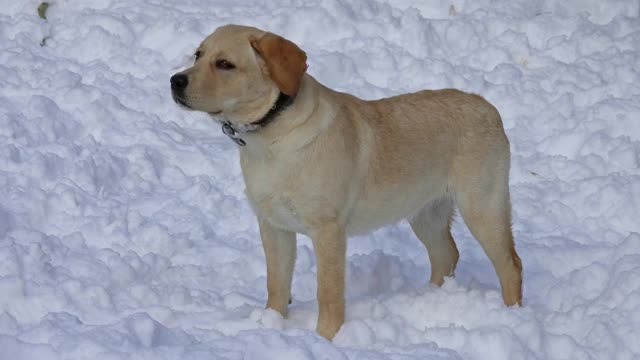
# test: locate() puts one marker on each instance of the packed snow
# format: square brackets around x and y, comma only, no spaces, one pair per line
[125,231]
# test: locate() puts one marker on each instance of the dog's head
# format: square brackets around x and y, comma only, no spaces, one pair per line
[238,71]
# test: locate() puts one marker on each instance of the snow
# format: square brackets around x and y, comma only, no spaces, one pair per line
[125,231]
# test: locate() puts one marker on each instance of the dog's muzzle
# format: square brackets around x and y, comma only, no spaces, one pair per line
[179,100]
[179,82]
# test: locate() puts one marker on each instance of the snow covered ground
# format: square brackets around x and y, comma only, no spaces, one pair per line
[125,232]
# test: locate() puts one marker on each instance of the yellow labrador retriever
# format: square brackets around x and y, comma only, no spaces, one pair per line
[327,164]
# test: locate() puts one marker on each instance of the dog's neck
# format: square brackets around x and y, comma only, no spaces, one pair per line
[234,131]
[292,129]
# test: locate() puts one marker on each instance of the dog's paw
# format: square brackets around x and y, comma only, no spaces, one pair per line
[268,319]
[329,329]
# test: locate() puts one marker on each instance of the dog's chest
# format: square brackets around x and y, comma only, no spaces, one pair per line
[273,198]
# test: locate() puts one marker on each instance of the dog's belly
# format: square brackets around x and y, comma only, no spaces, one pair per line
[387,206]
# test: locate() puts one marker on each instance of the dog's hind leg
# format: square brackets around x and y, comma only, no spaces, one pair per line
[484,203]
[432,226]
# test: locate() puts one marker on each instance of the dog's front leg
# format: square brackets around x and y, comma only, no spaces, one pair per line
[280,251]
[330,245]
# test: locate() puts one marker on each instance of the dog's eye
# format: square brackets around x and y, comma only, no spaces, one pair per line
[198,54]
[224,65]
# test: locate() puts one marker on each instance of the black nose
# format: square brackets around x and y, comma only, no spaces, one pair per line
[179,81]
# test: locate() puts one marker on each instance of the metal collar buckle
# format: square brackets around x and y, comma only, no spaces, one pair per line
[228,130]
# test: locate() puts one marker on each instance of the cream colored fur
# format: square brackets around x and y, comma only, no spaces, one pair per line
[332,165]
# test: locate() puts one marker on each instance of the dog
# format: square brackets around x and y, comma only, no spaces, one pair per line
[328,164]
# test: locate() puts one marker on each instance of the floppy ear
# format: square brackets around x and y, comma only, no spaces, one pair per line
[285,61]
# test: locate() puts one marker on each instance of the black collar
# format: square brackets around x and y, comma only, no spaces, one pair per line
[232,131]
